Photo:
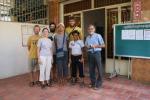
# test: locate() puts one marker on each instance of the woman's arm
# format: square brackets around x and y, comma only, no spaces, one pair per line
[38,51]
[82,57]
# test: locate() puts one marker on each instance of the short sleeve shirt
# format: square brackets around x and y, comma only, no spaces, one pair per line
[32,43]
[45,46]
[76,47]
[95,39]
[59,40]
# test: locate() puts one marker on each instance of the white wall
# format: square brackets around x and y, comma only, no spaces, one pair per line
[121,66]
[13,56]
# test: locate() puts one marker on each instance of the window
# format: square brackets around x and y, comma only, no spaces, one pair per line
[24,11]
[5,6]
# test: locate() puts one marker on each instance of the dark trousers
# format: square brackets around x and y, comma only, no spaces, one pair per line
[76,64]
[62,65]
[94,60]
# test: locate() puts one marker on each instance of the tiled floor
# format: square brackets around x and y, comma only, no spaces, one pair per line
[119,88]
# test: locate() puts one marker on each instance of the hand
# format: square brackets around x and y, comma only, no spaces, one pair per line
[52,61]
[39,61]
[81,60]
[94,46]
[70,61]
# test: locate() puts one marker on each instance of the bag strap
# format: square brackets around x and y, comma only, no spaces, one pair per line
[71,31]
[63,41]
[55,40]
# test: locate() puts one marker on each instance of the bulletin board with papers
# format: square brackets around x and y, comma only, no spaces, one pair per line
[132,40]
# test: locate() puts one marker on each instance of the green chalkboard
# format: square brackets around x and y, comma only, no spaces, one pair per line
[132,40]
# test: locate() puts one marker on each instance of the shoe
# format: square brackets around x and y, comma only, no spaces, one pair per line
[82,84]
[49,84]
[73,81]
[37,82]
[31,84]
[76,79]
[91,86]
[43,86]
[96,88]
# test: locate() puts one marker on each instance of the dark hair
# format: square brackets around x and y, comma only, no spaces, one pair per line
[36,26]
[91,25]
[52,23]
[45,29]
[75,32]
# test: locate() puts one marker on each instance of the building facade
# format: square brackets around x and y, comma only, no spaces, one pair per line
[114,11]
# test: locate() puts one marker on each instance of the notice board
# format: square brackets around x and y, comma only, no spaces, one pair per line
[132,40]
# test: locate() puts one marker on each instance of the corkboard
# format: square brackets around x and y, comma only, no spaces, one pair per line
[141,70]
[145,4]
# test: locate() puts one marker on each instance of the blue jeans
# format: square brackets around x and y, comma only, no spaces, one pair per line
[62,65]
[94,60]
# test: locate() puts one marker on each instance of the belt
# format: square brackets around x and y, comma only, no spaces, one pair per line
[94,52]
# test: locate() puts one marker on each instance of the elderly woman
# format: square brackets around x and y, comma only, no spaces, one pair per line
[61,53]
[45,58]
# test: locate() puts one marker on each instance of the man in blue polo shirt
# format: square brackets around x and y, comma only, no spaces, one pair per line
[94,43]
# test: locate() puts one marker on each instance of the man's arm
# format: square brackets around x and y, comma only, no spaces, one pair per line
[100,41]
[29,43]
[98,46]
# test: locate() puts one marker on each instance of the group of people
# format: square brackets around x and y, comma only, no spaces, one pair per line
[58,52]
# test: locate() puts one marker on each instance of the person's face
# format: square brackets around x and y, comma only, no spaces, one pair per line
[36,30]
[75,36]
[45,33]
[52,27]
[60,28]
[72,22]
[91,30]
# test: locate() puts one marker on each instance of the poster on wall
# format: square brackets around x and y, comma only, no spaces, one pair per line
[27,31]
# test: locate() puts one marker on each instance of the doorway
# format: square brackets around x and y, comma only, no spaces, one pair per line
[97,18]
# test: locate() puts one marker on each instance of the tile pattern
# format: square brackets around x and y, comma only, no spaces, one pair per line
[119,88]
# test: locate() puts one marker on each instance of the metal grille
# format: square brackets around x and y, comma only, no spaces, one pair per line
[77,6]
[100,3]
[5,6]
[32,11]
